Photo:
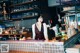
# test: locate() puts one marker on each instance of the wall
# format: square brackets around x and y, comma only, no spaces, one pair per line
[25,23]
[22,23]
[53,3]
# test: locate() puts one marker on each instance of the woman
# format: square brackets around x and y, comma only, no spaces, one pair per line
[39,30]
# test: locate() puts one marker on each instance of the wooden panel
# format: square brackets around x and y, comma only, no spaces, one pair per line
[13,51]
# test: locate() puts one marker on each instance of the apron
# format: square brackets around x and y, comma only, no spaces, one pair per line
[39,34]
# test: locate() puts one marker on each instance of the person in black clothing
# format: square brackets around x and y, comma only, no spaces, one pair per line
[39,30]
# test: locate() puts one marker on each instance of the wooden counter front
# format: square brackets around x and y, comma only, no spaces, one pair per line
[13,51]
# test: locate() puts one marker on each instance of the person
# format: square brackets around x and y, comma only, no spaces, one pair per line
[71,29]
[54,30]
[39,30]
[63,24]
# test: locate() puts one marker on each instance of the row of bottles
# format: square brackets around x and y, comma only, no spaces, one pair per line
[22,15]
[25,10]
[23,7]
[20,11]
[20,1]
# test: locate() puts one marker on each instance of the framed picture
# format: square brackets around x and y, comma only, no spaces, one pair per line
[4,47]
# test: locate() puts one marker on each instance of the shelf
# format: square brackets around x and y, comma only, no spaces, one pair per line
[71,12]
[22,3]
[23,10]
[19,9]
[15,19]
[27,17]
[70,3]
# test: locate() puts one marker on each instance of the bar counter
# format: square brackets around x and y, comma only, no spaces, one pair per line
[33,46]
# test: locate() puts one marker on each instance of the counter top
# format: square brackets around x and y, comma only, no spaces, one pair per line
[29,41]
[21,41]
[12,34]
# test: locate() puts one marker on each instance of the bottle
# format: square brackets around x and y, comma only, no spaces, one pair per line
[15,38]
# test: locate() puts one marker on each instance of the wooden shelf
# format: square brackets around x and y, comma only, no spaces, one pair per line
[22,3]
[23,10]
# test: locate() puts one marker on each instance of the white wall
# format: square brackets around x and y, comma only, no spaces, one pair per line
[53,3]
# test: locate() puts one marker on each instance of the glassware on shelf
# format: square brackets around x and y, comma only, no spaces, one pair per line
[21,11]
[15,38]
[36,14]
[30,6]
[33,14]
[35,6]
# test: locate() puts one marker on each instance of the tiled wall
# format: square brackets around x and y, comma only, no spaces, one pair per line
[42,47]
